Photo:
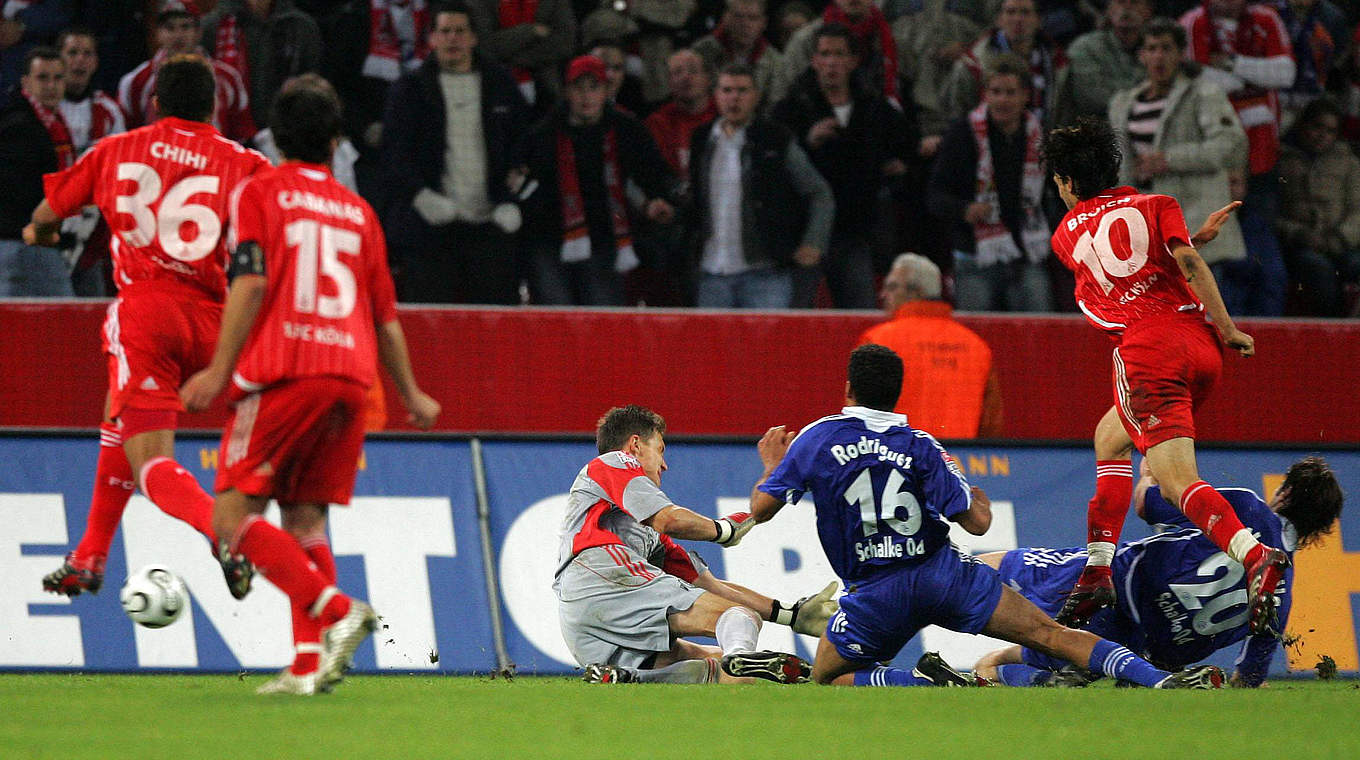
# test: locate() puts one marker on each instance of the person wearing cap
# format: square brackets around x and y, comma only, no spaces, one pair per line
[578,161]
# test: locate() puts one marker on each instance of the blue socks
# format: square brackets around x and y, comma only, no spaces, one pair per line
[1118,662]
[885,676]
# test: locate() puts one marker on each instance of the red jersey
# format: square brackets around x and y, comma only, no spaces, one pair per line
[231,114]
[163,190]
[1119,244]
[325,263]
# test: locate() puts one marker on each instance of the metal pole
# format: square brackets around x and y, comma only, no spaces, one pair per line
[504,667]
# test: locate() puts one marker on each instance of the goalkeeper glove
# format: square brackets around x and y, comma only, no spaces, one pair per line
[808,615]
[732,528]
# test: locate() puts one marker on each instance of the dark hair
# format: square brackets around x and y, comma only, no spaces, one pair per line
[1009,65]
[739,70]
[605,42]
[1086,153]
[836,29]
[1323,106]
[1312,499]
[875,376]
[305,119]
[186,87]
[1165,27]
[623,422]
[41,52]
[448,6]
[74,31]
[173,14]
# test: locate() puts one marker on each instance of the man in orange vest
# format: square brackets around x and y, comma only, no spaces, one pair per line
[949,388]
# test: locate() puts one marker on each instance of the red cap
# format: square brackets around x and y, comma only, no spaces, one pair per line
[585,66]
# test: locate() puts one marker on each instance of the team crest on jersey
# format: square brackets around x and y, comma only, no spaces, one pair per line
[629,460]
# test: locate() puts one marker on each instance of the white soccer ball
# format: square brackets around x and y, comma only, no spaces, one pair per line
[154,596]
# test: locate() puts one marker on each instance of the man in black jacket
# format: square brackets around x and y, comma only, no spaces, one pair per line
[578,161]
[858,141]
[32,133]
[447,138]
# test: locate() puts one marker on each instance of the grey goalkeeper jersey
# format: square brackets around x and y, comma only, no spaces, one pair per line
[607,504]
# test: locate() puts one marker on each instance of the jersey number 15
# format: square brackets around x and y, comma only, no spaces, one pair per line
[318,255]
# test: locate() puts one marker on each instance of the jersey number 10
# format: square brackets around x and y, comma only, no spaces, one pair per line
[1098,254]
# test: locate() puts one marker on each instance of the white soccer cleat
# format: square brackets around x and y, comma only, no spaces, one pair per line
[814,612]
[287,682]
[339,641]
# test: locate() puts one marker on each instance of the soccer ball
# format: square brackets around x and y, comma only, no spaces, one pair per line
[154,596]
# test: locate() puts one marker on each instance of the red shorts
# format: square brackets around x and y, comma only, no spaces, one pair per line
[298,442]
[157,334]
[1164,369]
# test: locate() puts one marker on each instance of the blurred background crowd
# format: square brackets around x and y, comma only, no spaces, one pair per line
[733,153]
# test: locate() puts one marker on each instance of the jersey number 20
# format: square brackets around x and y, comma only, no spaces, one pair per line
[884,509]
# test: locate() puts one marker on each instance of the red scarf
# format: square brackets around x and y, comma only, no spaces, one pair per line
[513,13]
[229,46]
[386,58]
[57,131]
[757,50]
[575,229]
[874,24]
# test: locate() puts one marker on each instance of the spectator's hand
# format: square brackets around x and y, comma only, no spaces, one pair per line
[542,30]
[660,211]
[822,131]
[773,445]
[514,179]
[894,168]
[437,210]
[807,255]
[1239,341]
[30,235]
[1221,61]
[977,213]
[200,390]
[951,52]
[1153,164]
[373,134]
[11,32]
[1209,230]
[422,410]
[929,145]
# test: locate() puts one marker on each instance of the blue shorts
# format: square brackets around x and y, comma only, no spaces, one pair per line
[880,614]
[1046,577]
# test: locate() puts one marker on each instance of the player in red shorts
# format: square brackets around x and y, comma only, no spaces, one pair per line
[163,189]
[310,311]
[1140,279]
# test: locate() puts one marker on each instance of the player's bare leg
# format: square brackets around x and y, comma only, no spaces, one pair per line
[736,628]
[1173,465]
[1105,514]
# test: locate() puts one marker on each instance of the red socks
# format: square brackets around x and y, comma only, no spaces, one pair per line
[307,629]
[1106,512]
[1212,513]
[279,557]
[113,487]
[178,494]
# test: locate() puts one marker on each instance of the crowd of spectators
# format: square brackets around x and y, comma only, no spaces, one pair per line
[733,153]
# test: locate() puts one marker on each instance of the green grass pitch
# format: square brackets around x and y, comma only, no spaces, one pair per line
[399,717]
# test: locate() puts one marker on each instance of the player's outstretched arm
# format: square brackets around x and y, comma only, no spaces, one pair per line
[1215,221]
[1202,282]
[243,304]
[772,447]
[45,227]
[422,409]
[678,522]
[978,517]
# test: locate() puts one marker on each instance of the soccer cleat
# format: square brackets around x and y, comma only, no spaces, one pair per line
[607,674]
[933,668]
[288,682]
[236,569]
[1094,592]
[75,576]
[339,641]
[779,667]
[1263,576]
[1201,677]
[811,613]
[1071,677]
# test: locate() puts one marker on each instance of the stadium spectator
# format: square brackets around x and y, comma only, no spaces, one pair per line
[447,141]
[651,28]
[1245,50]
[1017,32]
[878,58]
[582,156]
[624,586]
[394,43]
[1253,286]
[90,114]
[937,353]
[533,37]
[929,41]
[345,155]
[791,17]
[162,327]
[1179,136]
[34,139]
[758,204]
[177,33]
[740,38]
[1156,619]
[691,104]
[1315,55]
[297,427]
[1104,61]
[25,24]
[989,182]
[268,41]
[1319,220]
[623,89]
[857,141]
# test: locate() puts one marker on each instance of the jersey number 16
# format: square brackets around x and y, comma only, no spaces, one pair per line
[884,509]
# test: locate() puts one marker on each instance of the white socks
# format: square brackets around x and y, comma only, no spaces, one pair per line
[1100,553]
[736,630]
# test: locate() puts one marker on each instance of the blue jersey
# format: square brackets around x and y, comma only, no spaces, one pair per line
[1189,598]
[882,489]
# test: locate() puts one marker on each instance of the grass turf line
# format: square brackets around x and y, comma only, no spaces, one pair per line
[397,717]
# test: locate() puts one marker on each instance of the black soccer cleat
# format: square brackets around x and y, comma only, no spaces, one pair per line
[1200,677]
[75,576]
[779,667]
[1263,576]
[1094,592]
[236,569]
[607,674]
[933,668]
